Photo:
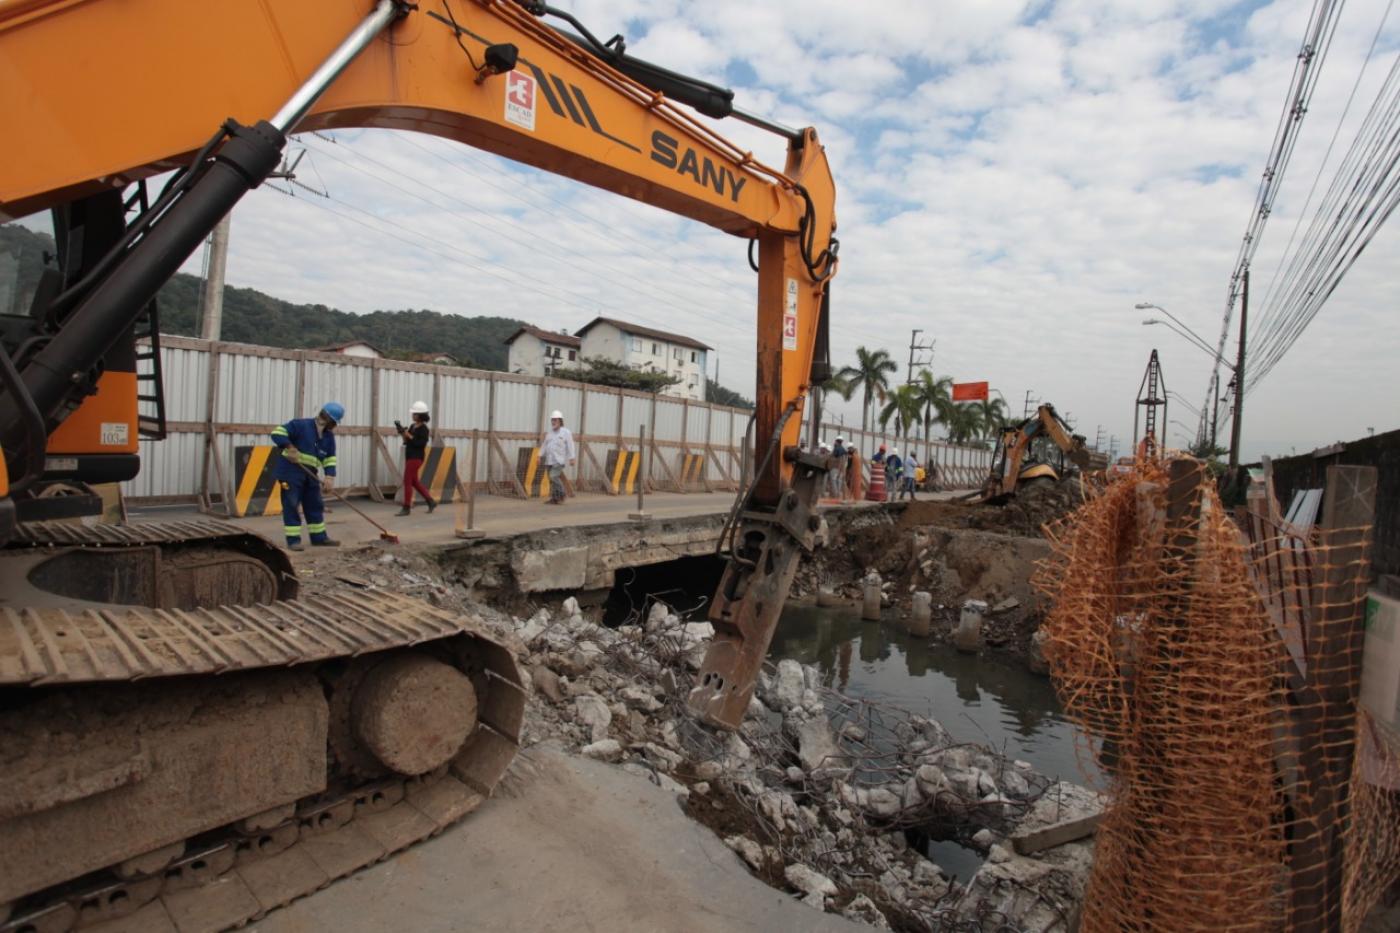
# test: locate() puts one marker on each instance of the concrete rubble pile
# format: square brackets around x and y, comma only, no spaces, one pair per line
[816,791]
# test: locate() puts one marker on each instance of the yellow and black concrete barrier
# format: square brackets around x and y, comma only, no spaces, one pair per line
[256,491]
[622,466]
[439,473]
[692,471]
[531,473]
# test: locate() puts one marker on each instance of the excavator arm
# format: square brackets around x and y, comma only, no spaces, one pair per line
[110,93]
[1015,441]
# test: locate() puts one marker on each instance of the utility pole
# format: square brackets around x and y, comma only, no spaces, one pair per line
[1214,414]
[1027,412]
[1098,438]
[216,263]
[1239,382]
[1113,447]
[915,347]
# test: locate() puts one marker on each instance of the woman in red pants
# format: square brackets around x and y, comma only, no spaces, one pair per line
[415,445]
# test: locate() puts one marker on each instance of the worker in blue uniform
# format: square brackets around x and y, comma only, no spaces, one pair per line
[308,444]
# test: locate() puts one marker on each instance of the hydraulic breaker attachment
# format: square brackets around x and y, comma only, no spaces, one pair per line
[766,551]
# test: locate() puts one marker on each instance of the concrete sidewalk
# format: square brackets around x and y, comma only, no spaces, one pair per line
[498,516]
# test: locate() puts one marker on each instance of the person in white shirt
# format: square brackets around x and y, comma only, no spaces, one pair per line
[911,472]
[557,451]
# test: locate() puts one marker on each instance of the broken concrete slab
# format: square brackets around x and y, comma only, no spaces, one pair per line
[558,569]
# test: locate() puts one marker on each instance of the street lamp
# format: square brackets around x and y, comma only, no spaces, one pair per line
[1237,369]
[1191,336]
[1182,399]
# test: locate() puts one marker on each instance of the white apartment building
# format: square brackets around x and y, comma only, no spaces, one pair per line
[536,352]
[645,348]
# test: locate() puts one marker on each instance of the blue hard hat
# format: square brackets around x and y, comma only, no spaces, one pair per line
[335,410]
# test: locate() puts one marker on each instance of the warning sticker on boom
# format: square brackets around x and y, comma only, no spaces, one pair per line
[790,316]
[520,100]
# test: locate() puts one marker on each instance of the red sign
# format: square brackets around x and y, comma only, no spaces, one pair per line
[969,391]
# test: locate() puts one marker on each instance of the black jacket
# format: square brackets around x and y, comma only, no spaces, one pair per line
[416,442]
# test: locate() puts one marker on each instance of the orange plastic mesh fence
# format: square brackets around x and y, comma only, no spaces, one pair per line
[1216,674]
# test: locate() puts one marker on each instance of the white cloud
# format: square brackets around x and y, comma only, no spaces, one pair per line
[1012,177]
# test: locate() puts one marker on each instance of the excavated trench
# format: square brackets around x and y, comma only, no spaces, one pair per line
[617,578]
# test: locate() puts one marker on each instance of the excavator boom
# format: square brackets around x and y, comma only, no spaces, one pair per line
[107,94]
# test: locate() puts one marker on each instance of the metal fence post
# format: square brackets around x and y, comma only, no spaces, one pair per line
[470,531]
[641,515]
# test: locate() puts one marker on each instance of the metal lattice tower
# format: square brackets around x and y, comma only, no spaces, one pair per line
[1152,393]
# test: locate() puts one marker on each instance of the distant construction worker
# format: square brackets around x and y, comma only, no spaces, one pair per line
[894,471]
[556,452]
[307,444]
[838,471]
[415,445]
[911,475]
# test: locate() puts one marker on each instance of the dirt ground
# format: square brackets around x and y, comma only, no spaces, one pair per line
[955,550]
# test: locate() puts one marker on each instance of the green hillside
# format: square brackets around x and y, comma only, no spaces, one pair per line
[250,316]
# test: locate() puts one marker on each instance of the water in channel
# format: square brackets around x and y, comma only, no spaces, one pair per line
[978,698]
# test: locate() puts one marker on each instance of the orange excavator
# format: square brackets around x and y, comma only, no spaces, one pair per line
[1035,451]
[141,791]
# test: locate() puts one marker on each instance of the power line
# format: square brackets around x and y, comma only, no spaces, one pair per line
[1362,196]
[495,271]
[514,189]
[534,242]
[1316,42]
[1326,157]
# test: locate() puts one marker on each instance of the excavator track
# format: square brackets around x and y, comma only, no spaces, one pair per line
[316,656]
[54,646]
[227,881]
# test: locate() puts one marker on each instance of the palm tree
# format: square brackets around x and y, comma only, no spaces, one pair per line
[993,414]
[936,397]
[964,423]
[819,392]
[905,404]
[872,373]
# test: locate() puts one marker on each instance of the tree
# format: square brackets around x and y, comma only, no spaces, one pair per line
[819,392]
[904,405]
[872,373]
[964,423]
[993,414]
[250,316]
[935,394]
[600,371]
[719,395]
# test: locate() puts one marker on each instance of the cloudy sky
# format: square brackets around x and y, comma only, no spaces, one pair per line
[1012,178]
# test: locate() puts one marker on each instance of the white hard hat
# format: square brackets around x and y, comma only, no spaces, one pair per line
[418,408]
[840,439]
[556,414]
[894,451]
